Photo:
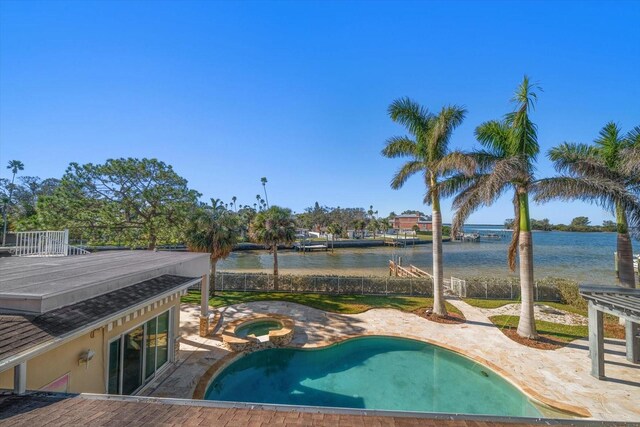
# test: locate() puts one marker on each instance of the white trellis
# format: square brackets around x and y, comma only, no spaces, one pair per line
[45,243]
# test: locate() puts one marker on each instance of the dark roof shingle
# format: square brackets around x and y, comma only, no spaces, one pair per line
[18,333]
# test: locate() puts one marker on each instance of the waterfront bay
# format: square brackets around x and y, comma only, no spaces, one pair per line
[584,257]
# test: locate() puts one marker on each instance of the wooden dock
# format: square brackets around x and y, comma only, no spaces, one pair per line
[310,248]
[397,270]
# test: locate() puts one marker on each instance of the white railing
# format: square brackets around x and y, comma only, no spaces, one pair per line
[45,243]
[458,286]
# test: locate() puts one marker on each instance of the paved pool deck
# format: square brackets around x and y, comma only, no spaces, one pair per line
[559,378]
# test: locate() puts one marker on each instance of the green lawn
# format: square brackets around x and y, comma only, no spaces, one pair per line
[565,333]
[347,304]
[488,303]
[495,303]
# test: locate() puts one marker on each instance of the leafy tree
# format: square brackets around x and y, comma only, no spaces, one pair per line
[580,221]
[130,201]
[335,229]
[385,224]
[216,231]
[15,166]
[412,212]
[428,154]
[601,173]
[360,226]
[373,226]
[272,227]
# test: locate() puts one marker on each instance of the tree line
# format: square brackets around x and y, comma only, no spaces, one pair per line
[579,224]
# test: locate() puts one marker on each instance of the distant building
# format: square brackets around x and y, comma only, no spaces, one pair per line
[408,221]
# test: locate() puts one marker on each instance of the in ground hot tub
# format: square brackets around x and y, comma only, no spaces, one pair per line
[258,331]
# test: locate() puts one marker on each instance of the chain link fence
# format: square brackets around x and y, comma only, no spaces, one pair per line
[475,287]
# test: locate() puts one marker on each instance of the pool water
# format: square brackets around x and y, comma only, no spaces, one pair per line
[258,328]
[371,373]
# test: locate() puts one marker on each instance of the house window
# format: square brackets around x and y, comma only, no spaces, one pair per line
[136,356]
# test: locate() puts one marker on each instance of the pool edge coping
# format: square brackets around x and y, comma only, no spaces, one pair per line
[573,410]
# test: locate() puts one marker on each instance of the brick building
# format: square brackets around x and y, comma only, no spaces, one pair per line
[408,221]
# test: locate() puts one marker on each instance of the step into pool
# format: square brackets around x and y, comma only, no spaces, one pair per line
[381,373]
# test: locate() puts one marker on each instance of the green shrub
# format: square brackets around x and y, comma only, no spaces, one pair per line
[569,294]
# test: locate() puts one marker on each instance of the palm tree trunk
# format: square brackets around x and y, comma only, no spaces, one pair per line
[439,307]
[527,323]
[212,277]
[626,275]
[275,267]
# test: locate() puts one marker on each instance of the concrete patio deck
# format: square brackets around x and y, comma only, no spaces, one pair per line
[560,378]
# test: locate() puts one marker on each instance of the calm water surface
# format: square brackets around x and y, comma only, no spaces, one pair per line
[585,257]
[371,373]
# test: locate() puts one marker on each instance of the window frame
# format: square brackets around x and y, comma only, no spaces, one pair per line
[120,337]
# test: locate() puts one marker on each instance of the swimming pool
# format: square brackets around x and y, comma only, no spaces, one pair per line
[371,373]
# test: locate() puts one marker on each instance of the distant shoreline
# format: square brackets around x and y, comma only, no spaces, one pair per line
[338,244]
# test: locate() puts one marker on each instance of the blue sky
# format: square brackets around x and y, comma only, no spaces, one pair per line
[228,92]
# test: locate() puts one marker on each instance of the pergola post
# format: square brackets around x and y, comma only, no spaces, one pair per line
[596,341]
[20,378]
[204,306]
[632,333]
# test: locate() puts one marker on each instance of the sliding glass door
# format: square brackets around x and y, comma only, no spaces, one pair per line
[132,360]
[136,356]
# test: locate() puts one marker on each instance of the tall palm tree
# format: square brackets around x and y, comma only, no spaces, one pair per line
[15,166]
[272,227]
[505,163]
[607,160]
[263,180]
[213,230]
[428,153]
[233,202]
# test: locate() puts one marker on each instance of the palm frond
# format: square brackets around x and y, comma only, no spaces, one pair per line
[602,192]
[405,172]
[455,161]
[505,172]
[450,186]
[494,136]
[411,115]
[400,146]
[449,118]
[580,160]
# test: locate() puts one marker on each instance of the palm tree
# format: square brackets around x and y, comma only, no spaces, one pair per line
[360,225]
[335,229]
[373,226]
[505,163]
[233,202]
[385,224]
[216,231]
[272,227]
[263,180]
[585,166]
[15,166]
[429,155]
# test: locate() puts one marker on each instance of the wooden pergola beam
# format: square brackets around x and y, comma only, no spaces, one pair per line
[596,341]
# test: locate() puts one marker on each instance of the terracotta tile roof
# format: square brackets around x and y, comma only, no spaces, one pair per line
[30,411]
[19,333]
